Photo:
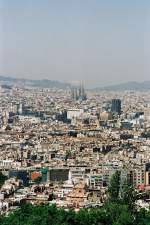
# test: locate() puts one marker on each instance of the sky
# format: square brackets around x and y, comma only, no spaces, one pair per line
[102,42]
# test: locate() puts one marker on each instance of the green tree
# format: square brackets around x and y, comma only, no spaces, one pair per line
[128,195]
[114,187]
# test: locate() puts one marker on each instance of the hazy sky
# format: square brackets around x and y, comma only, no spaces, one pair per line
[100,41]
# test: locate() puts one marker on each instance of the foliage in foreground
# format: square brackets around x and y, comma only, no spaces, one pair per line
[119,210]
[111,214]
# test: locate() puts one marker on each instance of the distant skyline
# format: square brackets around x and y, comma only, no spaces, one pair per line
[100,42]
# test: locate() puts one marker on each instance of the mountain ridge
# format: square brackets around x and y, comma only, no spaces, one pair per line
[46,83]
[131,85]
[43,83]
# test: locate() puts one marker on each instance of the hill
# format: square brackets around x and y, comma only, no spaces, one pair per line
[43,83]
[138,86]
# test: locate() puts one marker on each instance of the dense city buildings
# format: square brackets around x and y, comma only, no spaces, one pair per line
[56,148]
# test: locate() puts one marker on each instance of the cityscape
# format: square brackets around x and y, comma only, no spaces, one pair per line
[74,112]
[66,150]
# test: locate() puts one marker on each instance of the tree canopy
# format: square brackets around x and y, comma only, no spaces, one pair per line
[118,210]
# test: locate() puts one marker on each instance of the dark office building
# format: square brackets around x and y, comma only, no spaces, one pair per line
[116,106]
[20,174]
[58,174]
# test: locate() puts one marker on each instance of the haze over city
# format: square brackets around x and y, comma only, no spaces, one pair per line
[74,112]
[101,42]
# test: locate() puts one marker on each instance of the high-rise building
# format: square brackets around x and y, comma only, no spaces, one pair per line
[147,114]
[116,106]
[147,174]
[19,108]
